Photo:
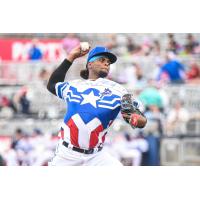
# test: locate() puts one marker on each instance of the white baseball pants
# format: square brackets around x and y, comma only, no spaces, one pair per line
[67,157]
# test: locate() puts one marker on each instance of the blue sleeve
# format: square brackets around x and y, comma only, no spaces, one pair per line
[61,89]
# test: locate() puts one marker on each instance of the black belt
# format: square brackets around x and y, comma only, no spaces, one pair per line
[85,151]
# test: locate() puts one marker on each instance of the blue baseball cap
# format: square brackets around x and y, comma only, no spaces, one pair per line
[99,50]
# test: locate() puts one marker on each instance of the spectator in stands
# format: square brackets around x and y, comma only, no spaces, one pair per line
[139,145]
[42,148]
[153,101]
[177,118]
[172,44]
[191,44]
[18,135]
[151,96]
[70,41]
[156,120]
[6,102]
[24,150]
[44,75]
[131,46]
[172,70]
[193,74]
[140,79]
[23,101]
[146,46]
[136,80]
[21,149]
[35,53]
[138,52]
[156,49]
[12,155]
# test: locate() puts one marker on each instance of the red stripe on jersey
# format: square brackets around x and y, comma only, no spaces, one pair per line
[103,138]
[94,137]
[73,132]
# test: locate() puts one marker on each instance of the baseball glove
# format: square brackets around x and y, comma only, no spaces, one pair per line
[131,113]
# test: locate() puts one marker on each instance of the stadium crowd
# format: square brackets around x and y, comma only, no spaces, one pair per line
[147,67]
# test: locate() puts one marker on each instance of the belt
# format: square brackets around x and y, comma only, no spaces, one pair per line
[85,151]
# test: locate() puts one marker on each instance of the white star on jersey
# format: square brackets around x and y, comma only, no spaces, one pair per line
[89,98]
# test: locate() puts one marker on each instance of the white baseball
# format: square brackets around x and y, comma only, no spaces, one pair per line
[85,46]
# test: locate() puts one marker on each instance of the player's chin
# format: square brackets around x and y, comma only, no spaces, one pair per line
[103,73]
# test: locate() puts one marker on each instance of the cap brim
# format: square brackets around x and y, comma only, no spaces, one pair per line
[111,56]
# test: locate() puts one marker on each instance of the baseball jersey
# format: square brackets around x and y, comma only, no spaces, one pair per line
[91,108]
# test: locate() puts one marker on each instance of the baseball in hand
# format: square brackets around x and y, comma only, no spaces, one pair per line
[85,46]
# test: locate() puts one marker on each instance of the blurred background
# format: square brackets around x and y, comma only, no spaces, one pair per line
[161,70]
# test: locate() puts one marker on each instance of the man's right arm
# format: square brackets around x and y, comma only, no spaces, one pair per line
[58,75]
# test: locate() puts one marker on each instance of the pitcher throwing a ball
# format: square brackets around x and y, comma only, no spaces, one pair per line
[92,106]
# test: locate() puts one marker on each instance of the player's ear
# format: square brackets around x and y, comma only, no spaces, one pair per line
[89,65]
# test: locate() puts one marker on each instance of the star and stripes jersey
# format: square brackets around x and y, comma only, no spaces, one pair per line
[91,108]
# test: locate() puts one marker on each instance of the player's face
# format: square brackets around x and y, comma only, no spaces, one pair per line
[101,67]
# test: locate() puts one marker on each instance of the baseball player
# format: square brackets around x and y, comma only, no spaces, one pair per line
[92,106]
